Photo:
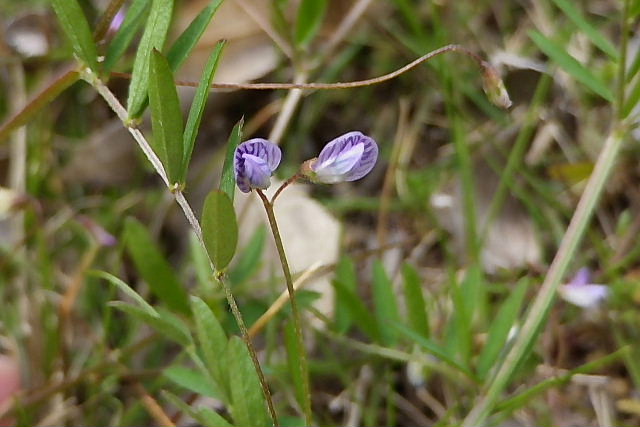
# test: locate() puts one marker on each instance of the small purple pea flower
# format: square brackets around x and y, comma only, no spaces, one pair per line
[347,158]
[254,162]
[581,292]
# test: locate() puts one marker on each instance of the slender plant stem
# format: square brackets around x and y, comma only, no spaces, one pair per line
[284,185]
[122,114]
[304,367]
[622,65]
[340,85]
[107,17]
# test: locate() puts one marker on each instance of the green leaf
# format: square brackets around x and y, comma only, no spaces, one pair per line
[126,289]
[414,300]
[192,380]
[228,181]
[632,99]
[249,259]
[170,326]
[431,347]
[153,267]
[185,43]
[597,38]
[386,307]
[154,36]
[202,415]
[197,107]
[360,314]
[568,63]
[213,341]
[348,278]
[166,117]
[249,407]
[123,38]
[219,228]
[504,320]
[76,28]
[293,361]
[310,16]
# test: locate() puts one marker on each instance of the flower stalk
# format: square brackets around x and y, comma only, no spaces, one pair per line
[297,323]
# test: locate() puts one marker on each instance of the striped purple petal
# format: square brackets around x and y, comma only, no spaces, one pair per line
[347,158]
[254,162]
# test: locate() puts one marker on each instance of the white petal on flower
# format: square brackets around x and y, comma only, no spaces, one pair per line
[257,170]
[585,296]
[334,168]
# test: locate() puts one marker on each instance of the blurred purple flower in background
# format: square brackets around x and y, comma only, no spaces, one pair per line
[579,291]
[254,162]
[347,158]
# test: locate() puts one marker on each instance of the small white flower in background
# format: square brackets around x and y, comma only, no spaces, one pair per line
[581,292]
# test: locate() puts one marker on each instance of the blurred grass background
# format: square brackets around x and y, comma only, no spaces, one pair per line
[441,248]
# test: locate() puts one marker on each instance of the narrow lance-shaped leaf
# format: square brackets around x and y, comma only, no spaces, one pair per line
[249,407]
[345,274]
[213,342]
[154,37]
[197,106]
[202,415]
[153,267]
[219,228]
[386,307]
[76,28]
[567,62]
[168,328]
[192,380]
[123,38]
[185,43]
[228,182]
[127,290]
[310,16]
[416,307]
[597,38]
[498,333]
[166,117]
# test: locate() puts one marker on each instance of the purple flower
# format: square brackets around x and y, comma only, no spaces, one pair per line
[347,158]
[254,162]
[581,292]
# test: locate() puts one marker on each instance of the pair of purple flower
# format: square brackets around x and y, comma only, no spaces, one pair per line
[347,158]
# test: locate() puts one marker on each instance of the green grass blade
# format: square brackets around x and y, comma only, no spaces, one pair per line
[167,325]
[197,106]
[249,407]
[386,307]
[228,180]
[166,117]
[185,43]
[632,99]
[76,28]
[432,348]
[310,16]
[597,38]
[414,300]
[127,290]
[347,276]
[568,63]
[154,36]
[500,326]
[359,312]
[153,267]
[219,228]
[125,35]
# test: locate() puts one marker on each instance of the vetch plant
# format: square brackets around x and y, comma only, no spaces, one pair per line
[346,158]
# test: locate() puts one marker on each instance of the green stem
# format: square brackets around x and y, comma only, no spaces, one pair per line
[622,66]
[304,367]
[252,352]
